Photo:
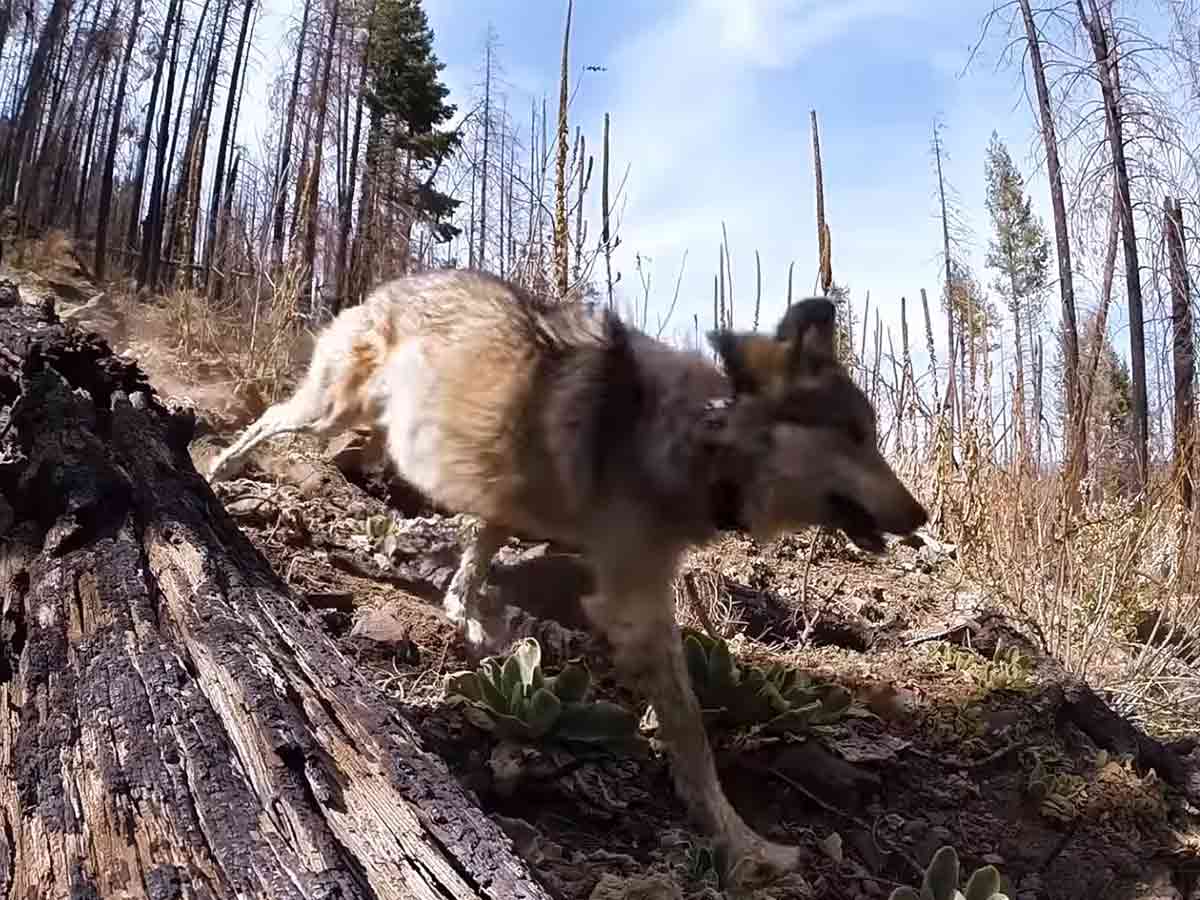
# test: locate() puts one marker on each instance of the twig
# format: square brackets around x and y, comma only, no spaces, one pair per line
[698,607]
[841,813]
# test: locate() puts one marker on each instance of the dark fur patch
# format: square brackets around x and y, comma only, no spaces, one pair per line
[807,313]
[620,396]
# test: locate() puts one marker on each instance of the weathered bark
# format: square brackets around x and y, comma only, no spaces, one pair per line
[175,725]
[1183,350]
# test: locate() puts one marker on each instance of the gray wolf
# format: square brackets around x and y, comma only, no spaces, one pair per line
[545,419]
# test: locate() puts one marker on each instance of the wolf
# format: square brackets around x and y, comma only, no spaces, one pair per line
[540,418]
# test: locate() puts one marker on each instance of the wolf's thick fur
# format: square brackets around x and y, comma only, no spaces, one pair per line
[550,421]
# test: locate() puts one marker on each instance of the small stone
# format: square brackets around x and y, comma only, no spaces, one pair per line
[993,859]
[832,847]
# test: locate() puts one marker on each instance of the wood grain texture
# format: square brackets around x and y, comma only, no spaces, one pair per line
[172,725]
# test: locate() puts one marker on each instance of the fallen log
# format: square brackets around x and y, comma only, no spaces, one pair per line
[173,725]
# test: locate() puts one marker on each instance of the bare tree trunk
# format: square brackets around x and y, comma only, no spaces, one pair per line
[285,147]
[165,695]
[562,228]
[930,347]
[139,176]
[1037,407]
[148,265]
[20,138]
[606,235]
[1106,65]
[824,253]
[314,184]
[167,235]
[1184,350]
[223,145]
[106,174]
[1075,431]
[346,212]
[1019,416]
[487,133]
[950,367]
[86,170]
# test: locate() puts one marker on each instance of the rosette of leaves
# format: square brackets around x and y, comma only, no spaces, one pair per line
[778,698]
[382,537]
[941,881]
[514,699]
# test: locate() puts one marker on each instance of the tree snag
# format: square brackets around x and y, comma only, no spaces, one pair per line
[174,725]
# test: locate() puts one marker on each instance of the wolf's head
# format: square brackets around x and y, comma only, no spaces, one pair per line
[804,436]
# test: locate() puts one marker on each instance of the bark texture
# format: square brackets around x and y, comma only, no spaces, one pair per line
[174,726]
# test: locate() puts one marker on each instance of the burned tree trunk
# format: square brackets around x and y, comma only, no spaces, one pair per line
[174,726]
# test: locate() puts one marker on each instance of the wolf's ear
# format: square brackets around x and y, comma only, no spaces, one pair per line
[807,329]
[753,362]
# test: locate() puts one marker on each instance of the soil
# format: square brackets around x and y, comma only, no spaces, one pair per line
[949,741]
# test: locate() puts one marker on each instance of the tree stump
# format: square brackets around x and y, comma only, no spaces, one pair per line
[173,726]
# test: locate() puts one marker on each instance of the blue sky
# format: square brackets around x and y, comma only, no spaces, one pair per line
[709,103]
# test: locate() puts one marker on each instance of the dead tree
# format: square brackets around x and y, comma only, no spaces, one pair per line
[1183,347]
[175,726]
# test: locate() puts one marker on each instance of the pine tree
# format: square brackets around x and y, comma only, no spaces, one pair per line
[1020,253]
[406,100]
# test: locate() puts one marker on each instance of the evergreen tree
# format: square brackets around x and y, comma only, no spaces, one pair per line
[1019,251]
[406,100]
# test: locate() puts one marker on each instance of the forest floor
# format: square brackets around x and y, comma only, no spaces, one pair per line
[960,732]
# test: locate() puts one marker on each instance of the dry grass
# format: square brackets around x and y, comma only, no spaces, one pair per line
[1083,585]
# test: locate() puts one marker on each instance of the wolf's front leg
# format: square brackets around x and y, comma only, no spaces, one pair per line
[461,603]
[634,608]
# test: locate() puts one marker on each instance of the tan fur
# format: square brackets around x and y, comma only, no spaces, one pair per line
[547,421]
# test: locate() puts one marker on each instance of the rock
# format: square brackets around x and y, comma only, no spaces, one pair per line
[381,625]
[832,847]
[10,294]
[256,512]
[654,887]
[525,837]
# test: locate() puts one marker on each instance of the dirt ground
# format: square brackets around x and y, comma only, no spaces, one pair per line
[955,736]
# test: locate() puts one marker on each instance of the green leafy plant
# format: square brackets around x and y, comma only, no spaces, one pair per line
[514,699]
[778,698]
[1008,670]
[941,881]
[381,536]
